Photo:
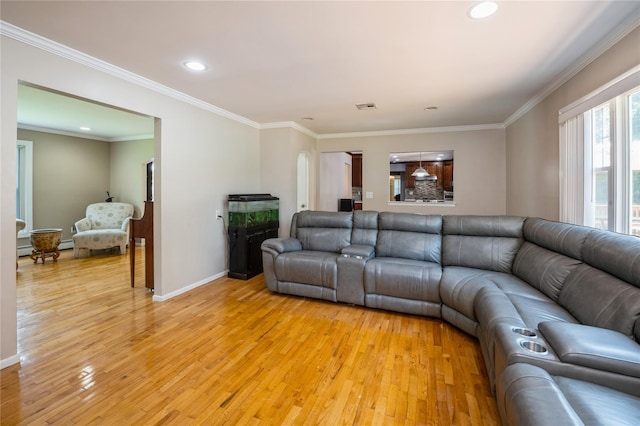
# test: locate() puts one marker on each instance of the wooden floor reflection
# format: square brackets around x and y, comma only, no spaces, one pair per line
[95,351]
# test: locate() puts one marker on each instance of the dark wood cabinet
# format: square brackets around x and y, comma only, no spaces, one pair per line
[447,175]
[356,170]
[436,168]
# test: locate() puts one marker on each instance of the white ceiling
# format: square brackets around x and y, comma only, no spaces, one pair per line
[44,110]
[281,61]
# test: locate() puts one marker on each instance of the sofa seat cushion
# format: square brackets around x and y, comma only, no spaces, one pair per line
[403,278]
[460,286]
[535,311]
[593,347]
[599,405]
[309,267]
[528,395]
[99,239]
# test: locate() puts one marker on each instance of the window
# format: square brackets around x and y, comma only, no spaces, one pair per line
[24,185]
[600,159]
[418,177]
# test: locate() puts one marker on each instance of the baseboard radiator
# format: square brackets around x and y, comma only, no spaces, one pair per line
[26,250]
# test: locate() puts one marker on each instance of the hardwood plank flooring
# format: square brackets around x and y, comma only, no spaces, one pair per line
[95,351]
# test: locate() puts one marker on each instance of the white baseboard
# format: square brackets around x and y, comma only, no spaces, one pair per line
[15,359]
[26,250]
[190,287]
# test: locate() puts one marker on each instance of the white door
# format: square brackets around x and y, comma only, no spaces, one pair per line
[303,182]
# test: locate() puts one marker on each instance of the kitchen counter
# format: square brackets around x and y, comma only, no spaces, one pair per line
[430,203]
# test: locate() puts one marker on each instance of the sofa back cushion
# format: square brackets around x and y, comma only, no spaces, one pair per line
[484,242]
[599,299]
[409,236]
[558,237]
[543,269]
[323,231]
[365,228]
[617,254]
[108,215]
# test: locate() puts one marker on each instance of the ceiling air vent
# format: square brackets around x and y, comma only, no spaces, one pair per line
[370,105]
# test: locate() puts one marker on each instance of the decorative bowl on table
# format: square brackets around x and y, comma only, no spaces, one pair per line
[45,243]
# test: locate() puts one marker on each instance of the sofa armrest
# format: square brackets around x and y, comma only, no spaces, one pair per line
[281,245]
[83,224]
[528,395]
[358,251]
[593,347]
[125,224]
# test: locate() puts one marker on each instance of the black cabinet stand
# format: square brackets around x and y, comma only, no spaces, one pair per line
[245,255]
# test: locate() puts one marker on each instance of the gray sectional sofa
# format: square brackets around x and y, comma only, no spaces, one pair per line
[555,307]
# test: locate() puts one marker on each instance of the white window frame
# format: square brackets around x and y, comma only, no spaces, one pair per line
[576,189]
[27,186]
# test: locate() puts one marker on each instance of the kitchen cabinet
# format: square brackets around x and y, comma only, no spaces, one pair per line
[356,170]
[432,167]
[447,175]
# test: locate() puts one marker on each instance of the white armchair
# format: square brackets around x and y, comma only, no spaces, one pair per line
[106,225]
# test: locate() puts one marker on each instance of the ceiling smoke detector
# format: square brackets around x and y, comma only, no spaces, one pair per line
[370,105]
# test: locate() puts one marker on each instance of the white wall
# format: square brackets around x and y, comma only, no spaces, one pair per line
[279,149]
[128,172]
[479,168]
[332,181]
[68,174]
[198,158]
[533,145]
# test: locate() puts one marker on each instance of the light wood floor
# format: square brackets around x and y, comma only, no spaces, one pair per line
[95,351]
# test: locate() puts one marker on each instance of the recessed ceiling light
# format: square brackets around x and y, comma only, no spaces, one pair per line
[85,129]
[195,65]
[483,9]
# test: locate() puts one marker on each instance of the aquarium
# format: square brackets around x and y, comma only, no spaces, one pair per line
[247,210]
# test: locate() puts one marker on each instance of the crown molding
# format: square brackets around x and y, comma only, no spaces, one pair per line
[39,42]
[133,138]
[621,31]
[291,125]
[62,132]
[84,135]
[496,126]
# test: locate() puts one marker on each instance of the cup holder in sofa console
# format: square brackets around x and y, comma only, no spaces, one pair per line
[524,331]
[533,346]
